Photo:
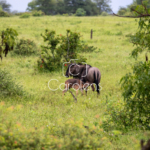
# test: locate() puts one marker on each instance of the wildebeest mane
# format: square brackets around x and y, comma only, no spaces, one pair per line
[82,71]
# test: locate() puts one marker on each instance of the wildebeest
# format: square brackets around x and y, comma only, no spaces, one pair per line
[85,73]
[76,84]
[147,146]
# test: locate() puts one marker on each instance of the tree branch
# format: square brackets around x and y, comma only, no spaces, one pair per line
[144,7]
[141,15]
[148,15]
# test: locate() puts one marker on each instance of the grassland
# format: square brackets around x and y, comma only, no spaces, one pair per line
[44,107]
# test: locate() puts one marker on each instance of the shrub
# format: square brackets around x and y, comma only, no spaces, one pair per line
[4,14]
[8,40]
[25,15]
[8,86]
[134,112]
[19,13]
[37,13]
[66,15]
[87,48]
[136,93]
[104,13]
[25,47]
[59,49]
[80,12]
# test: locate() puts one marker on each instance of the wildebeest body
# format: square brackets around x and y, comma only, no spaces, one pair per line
[76,84]
[86,73]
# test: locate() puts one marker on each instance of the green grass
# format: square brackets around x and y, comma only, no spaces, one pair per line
[43,107]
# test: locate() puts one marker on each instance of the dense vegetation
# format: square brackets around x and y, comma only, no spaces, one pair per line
[53,7]
[129,9]
[44,116]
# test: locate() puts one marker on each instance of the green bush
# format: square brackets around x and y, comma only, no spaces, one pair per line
[19,13]
[8,86]
[25,47]
[59,49]
[136,93]
[134,111]
[4,14]
[66,15]
[8,40]
[37,13]
[25,15]
[87,48]
[80,12]
[104,13]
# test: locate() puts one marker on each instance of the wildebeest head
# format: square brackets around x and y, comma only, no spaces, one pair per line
[77,70]
[73,70]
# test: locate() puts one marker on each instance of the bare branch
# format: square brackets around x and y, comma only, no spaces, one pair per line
[148,15]
[140,16]
[136,11]
[144,7]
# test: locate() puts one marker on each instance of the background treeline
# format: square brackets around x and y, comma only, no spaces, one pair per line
[53,7]
[128,10]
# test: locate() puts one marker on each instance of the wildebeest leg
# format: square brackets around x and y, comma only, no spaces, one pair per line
[92,86]
[82,91]
[98,94]
[64,91]
[86,91]
[76,92]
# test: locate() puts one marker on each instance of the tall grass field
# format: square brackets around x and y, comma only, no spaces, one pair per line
[57,120]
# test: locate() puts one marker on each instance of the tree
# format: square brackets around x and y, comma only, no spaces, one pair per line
[122,11]
[46,6]
[80,12]
[136,84]
[72,5]
[103,5]
[5,6]
[90,8]
[60,7]
[32,5]
[8,40]
[63,6]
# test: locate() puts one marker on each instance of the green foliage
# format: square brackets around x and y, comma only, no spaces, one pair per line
[136,85]
[86,48]
[122,11]
[142,38]
[5,6]
[103,5]
[8,86]
[136,93]
[59,49]
[53,7]
[50,57]
[32,5]
[25,47]
[8,38]
[1,9]
[37,13]
[80,12]
[104,13]
[134,112]
[4,14]
[25,15]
